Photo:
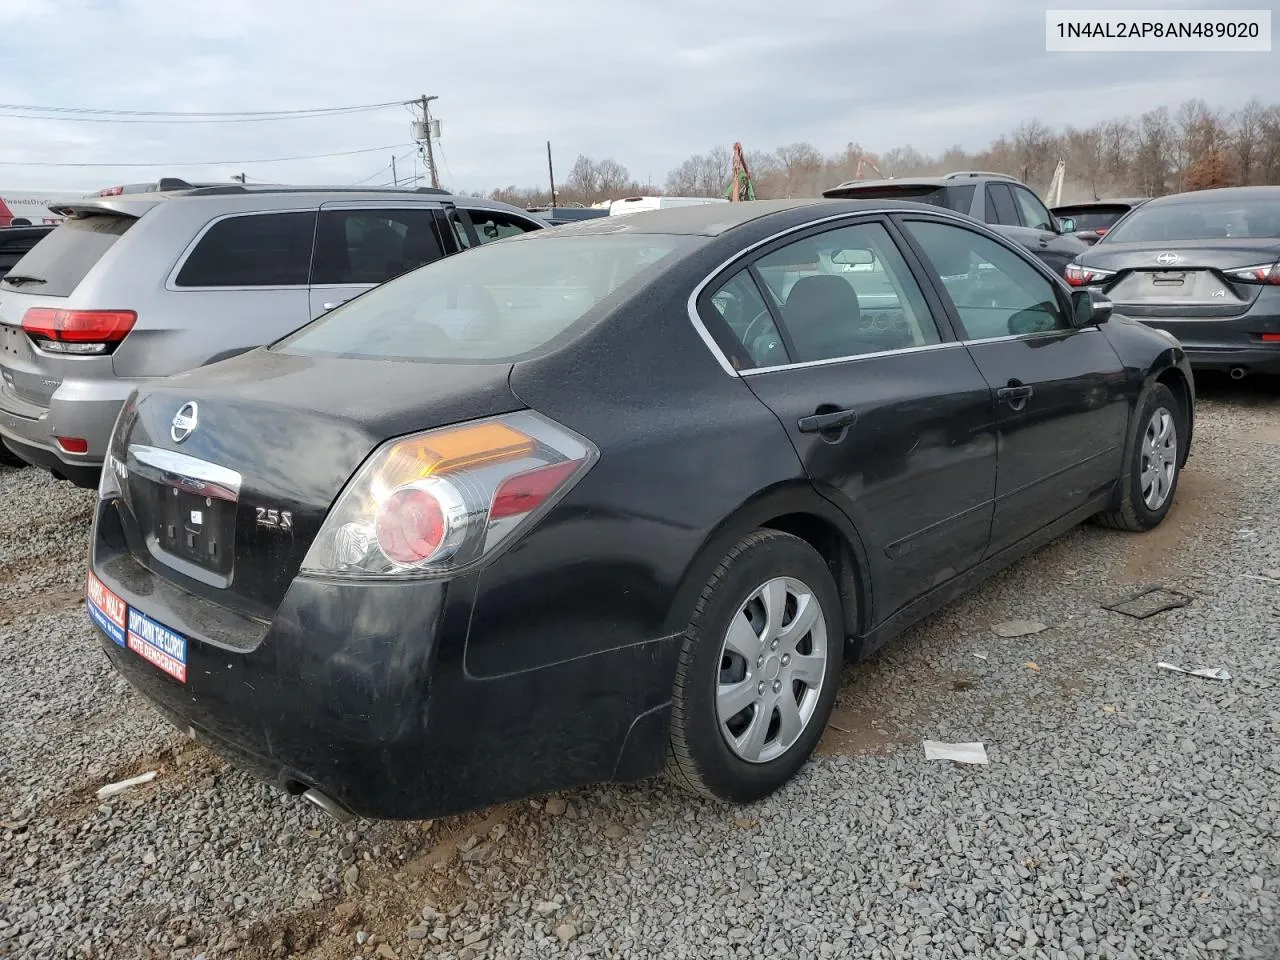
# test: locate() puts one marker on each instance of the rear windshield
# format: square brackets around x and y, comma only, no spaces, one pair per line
[497,302]
[957,197]
[56,264]
[1251,219]
[1097,218]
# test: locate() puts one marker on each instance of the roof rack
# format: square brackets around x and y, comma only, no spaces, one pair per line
[973,174]
[230,189]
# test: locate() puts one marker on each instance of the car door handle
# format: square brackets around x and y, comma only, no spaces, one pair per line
[827,421]
[1015,394]
[332,305]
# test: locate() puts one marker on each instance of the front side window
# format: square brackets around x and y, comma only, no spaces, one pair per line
[995,291]
[847,292]
[498,302]
[1034,213]
[372,246]
[497,226]
[258,250]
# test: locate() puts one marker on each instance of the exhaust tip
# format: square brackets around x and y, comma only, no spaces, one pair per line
[1238,373]
[328,805]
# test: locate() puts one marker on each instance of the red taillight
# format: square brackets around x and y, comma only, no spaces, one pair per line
[526,491]
[111,192]
[1271,338]
[73,444]
[1101,231]
[1080,276]
[77,331]
[411,525]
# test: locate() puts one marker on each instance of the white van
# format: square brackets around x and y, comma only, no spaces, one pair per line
[635,204]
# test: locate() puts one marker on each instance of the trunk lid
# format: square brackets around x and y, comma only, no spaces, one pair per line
[229,512]
[1181,278]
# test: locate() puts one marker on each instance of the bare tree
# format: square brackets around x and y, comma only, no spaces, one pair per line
[584,179]
[611,177]
[1247,124]
[1153,159]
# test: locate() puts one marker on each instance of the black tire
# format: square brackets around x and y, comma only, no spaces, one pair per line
[699,758]
[1132,512]
[9,458]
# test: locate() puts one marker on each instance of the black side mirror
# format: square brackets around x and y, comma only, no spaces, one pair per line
[1089,308]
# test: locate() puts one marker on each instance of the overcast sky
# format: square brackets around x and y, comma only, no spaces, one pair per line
[647,83]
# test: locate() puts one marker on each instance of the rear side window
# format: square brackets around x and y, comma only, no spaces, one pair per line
[372,246]
[492,226]
[258,250]
[57,264]
[495,303]
[1000,206]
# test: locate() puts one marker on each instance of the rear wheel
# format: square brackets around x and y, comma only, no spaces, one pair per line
[1155,459]
[758,671]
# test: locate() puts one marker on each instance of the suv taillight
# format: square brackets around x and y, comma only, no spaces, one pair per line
[79,332]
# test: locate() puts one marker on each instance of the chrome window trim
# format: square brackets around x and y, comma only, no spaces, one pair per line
[172,468]
[942,213]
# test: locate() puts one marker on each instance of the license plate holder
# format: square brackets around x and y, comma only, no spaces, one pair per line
[196,528]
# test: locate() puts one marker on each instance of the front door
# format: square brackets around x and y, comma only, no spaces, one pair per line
[359,246]
[1060,394]
[887,411]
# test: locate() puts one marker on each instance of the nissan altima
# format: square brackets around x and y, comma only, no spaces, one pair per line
[1206,267]
[612,499]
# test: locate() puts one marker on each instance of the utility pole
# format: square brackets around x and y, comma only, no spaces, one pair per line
[394,179]
[551,174]
[424,102]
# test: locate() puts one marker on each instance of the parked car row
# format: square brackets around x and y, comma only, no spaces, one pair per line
[588,503]
[139,284]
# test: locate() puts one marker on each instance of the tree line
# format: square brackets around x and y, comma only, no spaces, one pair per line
[1190,147]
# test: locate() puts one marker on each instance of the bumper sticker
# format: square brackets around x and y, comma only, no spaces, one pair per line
[158,645]
[106,610]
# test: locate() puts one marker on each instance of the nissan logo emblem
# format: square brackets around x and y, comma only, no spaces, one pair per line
[1167,259]
[184,421]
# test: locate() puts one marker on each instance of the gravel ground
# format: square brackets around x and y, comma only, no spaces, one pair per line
[1126,811]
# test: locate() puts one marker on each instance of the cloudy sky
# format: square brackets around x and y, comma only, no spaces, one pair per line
[647,83]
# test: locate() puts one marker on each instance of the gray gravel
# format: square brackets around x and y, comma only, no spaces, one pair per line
[1126,811]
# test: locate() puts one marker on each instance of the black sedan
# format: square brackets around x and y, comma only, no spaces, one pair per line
[612,499]
[1206,267]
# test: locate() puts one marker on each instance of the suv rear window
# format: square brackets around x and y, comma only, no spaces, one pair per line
[253,250]
[57,264]
[497,302]
[954,197]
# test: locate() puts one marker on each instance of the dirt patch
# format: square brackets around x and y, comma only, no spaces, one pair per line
[42,601]
[1202,499]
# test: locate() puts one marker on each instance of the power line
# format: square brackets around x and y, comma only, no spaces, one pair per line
[181,121]
[315,111]
[198,163]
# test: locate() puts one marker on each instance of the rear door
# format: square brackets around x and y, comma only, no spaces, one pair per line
[889,414]
[360,245]
[1060,391]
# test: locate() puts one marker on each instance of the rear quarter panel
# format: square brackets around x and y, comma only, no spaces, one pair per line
[683,445]
[178,329]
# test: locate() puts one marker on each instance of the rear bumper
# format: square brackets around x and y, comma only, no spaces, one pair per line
[1224,344]
[361,691]
[84,409]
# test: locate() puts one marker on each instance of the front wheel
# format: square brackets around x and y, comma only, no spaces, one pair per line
[1155,460]
[758,670]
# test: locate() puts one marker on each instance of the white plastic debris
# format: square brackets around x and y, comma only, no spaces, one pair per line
[959,752]
[1018,628]
[1209,673]
[980,656]
[111,789]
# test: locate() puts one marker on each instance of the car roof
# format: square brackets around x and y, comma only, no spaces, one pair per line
[1219,193]
[714,219]
[1105,202]
[947,179]
[242,196]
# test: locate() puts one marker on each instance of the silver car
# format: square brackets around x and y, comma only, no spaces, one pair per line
[143,285]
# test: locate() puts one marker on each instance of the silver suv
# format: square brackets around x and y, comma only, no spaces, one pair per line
[143,285]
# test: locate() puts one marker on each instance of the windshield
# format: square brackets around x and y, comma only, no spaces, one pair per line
[498,302]
[1251,219]
[1095,218]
